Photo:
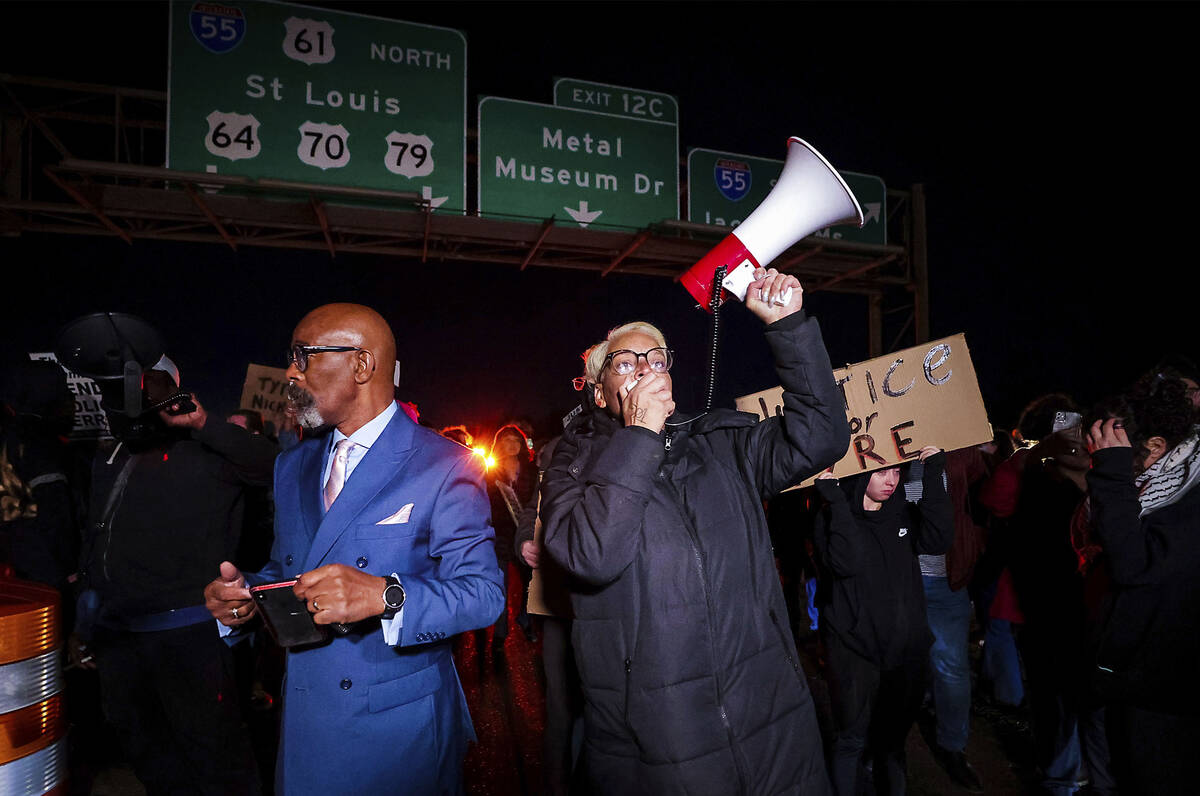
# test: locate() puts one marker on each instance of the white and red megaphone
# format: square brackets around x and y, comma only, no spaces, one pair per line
[808,196]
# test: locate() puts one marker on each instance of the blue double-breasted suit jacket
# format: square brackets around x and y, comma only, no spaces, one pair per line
[360,715]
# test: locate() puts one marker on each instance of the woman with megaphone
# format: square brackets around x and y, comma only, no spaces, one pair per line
[691,677]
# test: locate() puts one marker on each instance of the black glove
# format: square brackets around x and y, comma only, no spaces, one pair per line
[830,489]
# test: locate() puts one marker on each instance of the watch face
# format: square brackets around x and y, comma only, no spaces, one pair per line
[393,596]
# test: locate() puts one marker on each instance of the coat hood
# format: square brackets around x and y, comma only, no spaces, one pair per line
[855,489]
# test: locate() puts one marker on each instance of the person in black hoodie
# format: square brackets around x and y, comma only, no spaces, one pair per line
[872,606]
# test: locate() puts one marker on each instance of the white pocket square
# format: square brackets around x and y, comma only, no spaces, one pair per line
[399,517]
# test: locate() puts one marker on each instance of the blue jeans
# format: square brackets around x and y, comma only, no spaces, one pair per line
[949,615]
[1056,742]
[1001,663]
[1093,740]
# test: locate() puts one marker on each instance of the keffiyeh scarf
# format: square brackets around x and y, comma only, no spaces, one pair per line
[1170,478]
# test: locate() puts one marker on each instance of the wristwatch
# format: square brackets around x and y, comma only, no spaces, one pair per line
[393,596]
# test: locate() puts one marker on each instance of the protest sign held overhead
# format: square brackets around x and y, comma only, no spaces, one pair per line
[899,403]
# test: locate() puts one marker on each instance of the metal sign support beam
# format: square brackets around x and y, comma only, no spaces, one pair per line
[87,204]
[208,213]
[634,246]
[547,225]
[323,221]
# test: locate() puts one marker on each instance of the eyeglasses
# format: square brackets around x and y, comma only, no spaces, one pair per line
[299,354]
[624,362]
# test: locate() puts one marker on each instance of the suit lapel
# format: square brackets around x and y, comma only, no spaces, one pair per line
[311,510]
[379,467]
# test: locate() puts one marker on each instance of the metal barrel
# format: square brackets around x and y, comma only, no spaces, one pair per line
[33,723]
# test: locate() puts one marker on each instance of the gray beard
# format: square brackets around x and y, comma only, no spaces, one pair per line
[310,419]
[308,416]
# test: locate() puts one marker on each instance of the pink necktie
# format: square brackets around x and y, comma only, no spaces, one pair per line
[337,472]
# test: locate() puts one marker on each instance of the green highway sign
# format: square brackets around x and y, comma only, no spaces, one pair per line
[633,102]
[583,168]
[724,188]
[264,89]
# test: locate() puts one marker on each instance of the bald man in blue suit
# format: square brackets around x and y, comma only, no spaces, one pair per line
[387,526]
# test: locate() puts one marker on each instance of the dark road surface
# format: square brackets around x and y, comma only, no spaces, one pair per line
[505,695]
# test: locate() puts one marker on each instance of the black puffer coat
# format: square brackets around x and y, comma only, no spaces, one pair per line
[690,674]
[1149,645]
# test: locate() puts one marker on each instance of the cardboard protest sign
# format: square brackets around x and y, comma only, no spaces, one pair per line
[548,594]
[899,403]
[263,392]
[90,420]
[535,596]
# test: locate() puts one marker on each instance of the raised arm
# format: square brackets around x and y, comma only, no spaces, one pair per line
[836,535]
[813,433]
[935,528]
[1140,552]
[251,457]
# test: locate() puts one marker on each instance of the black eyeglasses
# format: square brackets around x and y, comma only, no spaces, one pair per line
[624,362]
[299,354]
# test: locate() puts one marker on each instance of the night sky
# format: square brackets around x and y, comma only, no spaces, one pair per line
[1054,142]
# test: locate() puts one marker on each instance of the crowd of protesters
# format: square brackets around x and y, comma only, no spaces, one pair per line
[1051,572]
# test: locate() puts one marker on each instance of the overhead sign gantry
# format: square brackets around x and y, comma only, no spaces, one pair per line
[306,128]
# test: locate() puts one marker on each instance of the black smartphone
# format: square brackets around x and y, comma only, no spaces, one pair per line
[180,403]
[286,615]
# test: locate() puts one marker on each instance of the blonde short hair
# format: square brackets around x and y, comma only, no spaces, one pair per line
[593,358]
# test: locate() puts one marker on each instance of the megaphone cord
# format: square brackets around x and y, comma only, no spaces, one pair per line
[714,306]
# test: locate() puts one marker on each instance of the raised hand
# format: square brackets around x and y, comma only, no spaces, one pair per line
[647,402]
[764,296]
[1107,434]
[194,419]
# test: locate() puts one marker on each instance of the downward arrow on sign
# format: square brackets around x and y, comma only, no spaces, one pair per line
[434,201]
[582,216]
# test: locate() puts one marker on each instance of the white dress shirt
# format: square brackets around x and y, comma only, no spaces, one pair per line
[363,439]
